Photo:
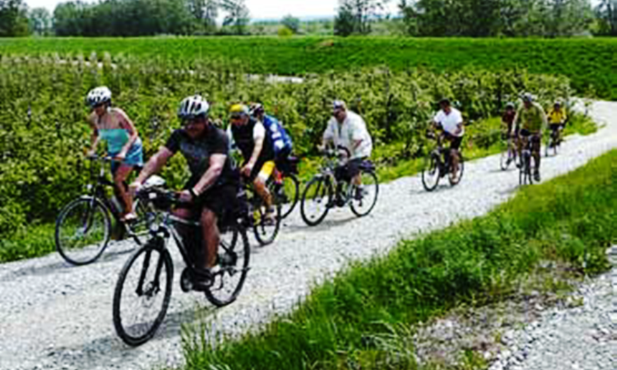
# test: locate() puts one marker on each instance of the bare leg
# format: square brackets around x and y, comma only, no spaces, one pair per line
[536,141]
[263,192]
[211,237]
[455,161]
[122,173]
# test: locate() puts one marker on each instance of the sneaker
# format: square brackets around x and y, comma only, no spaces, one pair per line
[204,278]
[536,176]
[358,194]
[270,217]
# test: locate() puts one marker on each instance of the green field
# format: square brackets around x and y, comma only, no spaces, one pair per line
[364,317]
[587,62]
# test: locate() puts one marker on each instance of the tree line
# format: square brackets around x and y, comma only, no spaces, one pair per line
[435,18]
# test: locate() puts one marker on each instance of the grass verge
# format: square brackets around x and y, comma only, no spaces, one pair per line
[483,139]
[360,318]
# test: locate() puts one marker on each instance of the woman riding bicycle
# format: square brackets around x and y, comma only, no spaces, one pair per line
[123,143]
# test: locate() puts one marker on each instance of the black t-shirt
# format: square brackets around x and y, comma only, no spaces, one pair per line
[243,137]
[197,152]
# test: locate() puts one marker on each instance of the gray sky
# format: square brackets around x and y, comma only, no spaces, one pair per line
[259,9]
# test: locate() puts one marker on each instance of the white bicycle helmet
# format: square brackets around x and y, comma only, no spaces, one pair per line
[193,106]
[98,95]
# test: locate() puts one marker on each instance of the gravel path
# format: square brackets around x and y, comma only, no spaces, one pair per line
[53,316]
[581,338]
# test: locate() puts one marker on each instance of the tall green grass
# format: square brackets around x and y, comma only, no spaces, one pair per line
[359,319]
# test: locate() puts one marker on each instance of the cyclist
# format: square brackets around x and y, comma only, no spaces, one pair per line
[557,120]
[213,186]
[281,141]
[257,149]
[123,143]
[348,129]
[532,120]
[510,133]
[450,121]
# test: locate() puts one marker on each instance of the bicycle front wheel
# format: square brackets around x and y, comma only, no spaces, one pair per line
[143,292]
[430,172]
[83,230]
[315,201]
[233,259]
[289,195]
[266,230]
[461,170]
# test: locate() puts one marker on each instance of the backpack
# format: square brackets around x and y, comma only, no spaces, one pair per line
[281,141]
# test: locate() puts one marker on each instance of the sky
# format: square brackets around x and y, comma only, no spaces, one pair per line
[260,9]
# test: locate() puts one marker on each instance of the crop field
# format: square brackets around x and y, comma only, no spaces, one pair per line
[589,63]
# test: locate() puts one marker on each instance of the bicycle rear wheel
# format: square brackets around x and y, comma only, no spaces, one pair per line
[315,201]
[143,292]
[369,190]
[83,231]
[431,172]
[525,175]
[233,258]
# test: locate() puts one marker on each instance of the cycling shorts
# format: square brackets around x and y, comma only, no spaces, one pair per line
[263,170]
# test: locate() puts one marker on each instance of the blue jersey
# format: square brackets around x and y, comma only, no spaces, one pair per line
[281,141]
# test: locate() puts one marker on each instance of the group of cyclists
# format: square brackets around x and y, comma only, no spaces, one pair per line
[213,187]
[527,124]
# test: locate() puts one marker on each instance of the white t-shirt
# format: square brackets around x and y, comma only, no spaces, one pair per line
[449,122]
[352,129]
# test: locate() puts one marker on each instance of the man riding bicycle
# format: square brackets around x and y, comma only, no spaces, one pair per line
[257,149]
[213,187]
[348,129]
[282,144]
[532,120]
[557,120]
[450,121]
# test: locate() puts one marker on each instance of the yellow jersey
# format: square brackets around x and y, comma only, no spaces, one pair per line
[556,117]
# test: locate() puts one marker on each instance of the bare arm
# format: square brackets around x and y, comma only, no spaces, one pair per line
[154,165]
[94,138]
[259,143]
[217,162]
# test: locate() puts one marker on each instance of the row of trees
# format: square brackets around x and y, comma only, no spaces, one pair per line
[483,18]
[125,18]
[472,18]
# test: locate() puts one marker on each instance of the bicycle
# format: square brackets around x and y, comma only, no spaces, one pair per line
[265,230]
[437,165]
[287,186]
[509,155]
[83,227]
[525,175]
[324,191]
[554,141]
[152,276]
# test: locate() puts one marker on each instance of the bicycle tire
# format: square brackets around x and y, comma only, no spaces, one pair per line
[461,167]
[431,164]
[293,198]
[506,159]
[327,187]
[245,250]
[153,245]
[352,205]
[61,224]
[259,228]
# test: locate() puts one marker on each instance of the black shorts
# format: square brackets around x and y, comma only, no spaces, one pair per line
[555,126]
[455,141]
[349,170]
[220,199]
[535,136]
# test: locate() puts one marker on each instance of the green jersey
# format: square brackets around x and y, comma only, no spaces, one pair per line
[532,119]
